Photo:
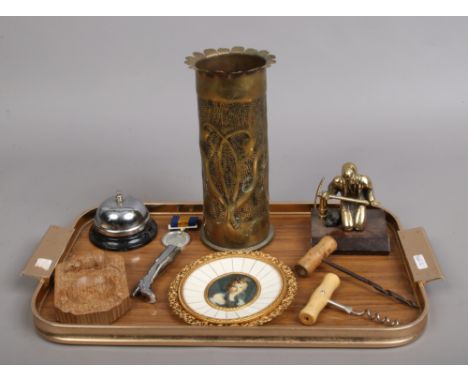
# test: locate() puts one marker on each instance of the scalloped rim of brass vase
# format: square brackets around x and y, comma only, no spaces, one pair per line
[196,58]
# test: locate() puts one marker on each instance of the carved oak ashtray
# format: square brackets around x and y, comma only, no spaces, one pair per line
[91,289]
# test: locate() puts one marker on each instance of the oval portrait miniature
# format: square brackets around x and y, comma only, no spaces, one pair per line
[232,288]
[232,291]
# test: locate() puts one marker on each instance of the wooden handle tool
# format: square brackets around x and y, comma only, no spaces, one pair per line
[314,256]
[322,297]
[319,299]
[318,254]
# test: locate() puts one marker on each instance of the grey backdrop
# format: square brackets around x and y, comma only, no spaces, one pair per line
[92,105]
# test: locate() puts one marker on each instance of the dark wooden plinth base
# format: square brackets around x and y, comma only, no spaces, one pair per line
[374,240]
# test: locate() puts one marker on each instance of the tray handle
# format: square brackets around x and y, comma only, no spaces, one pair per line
[420,256]
[50,250]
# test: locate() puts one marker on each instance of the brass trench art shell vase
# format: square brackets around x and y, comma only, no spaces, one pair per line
[231,88]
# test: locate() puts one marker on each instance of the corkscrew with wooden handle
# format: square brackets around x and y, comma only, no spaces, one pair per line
[321,297]
[326,246]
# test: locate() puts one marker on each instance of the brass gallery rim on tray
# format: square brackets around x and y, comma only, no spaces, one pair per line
[232,288]
[140,327]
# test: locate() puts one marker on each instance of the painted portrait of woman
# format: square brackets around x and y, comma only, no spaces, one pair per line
[232,291]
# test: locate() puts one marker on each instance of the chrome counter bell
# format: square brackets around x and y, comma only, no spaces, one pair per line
[122,223]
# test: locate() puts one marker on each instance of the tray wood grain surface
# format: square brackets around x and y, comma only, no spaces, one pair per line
[147,324]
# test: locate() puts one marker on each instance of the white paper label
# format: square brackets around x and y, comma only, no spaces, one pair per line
[43,263]
[420,261]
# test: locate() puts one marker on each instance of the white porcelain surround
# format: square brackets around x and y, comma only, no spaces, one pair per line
[196,284]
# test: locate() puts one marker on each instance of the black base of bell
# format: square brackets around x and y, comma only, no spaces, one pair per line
[124,243]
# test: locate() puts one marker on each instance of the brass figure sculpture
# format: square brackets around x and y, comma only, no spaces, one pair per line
[231,88]
[356,195]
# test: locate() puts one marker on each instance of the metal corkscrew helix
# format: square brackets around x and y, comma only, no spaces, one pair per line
[321,297]
[376,317]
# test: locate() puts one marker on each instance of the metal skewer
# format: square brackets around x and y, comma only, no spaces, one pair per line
[326,246]
[373,284]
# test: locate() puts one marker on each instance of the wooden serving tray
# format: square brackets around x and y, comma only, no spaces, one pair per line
[147,324]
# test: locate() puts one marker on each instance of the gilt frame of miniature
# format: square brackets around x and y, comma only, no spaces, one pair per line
[274,309]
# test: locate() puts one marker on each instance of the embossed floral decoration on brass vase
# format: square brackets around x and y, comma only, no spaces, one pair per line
[231,88]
